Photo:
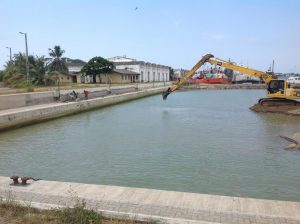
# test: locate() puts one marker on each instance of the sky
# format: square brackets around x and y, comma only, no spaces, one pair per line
[176,33]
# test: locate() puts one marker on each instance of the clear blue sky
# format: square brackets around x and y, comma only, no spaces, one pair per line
[170,32]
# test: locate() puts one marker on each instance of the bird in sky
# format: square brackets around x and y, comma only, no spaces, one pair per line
[136,8]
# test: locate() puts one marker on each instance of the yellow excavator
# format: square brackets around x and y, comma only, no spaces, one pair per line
[279,92]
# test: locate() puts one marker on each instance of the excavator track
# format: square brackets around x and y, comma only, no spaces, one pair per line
[278,102]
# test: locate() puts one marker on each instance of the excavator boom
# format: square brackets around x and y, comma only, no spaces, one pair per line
[252,72]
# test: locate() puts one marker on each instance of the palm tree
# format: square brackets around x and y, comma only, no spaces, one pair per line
[57,63]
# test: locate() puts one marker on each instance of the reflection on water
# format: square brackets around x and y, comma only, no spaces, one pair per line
[197,141]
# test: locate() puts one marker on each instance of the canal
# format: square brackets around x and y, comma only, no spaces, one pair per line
[196,141]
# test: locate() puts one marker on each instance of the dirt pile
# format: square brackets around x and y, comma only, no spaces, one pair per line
[284,109]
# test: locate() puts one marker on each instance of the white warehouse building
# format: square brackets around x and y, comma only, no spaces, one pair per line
[149,72]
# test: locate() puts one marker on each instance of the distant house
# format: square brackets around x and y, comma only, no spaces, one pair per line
[179,73]
[74,67]
[149,72]
[127,70]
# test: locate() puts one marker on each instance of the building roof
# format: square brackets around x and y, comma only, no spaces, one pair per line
[125,72]
[120,59]
[140,63]
[123,60]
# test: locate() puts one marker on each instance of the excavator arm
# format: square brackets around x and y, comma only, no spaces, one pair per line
[171,89]
[252,72]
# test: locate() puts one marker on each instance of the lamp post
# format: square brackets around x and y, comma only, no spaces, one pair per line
[9,53]
[27,65]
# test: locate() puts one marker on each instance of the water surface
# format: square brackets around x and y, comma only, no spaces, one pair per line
[196,141]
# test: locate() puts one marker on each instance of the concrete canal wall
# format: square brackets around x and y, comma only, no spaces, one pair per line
[10,101]
[149,204]
[31,114]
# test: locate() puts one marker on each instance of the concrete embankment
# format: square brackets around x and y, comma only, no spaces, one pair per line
[11,101]
[31,114]
[16,100]
[149,204]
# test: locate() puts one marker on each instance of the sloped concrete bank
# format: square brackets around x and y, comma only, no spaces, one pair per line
[13,118]
[160,206]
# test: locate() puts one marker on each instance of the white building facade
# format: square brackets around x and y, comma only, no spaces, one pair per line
[149,72]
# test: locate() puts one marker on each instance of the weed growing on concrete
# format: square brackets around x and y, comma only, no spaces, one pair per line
[78,214]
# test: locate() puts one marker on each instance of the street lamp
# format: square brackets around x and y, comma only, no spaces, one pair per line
[27,65]
[9,53]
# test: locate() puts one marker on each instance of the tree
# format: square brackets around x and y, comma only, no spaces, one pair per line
[2,74]
[15,70]
[96,66]
[57,63]
[38,71]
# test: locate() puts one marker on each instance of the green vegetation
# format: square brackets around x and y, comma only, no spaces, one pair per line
[2,73]
[41,73]
[96,66]
[57,64]
[15,72]
[12,212]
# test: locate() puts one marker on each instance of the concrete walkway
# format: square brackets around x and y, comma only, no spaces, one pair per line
[148,204]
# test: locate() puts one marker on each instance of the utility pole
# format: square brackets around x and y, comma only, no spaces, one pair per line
[27,65]
[10,59]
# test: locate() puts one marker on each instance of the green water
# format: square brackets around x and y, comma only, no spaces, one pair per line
[196,141]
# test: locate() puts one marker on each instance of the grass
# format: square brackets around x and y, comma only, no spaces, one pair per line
[12,212]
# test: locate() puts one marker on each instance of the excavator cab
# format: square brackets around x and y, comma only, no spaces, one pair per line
[276,86]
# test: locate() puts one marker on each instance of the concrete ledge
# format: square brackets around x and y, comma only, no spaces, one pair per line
[149,204]
[25,99]
[28,115]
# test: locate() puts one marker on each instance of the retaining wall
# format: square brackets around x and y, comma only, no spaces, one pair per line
[25,99]
[28,115]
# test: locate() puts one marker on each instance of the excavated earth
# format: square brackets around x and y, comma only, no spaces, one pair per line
[286,109]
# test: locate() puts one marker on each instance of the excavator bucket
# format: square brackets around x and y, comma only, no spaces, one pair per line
[176,86]
[166,93]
